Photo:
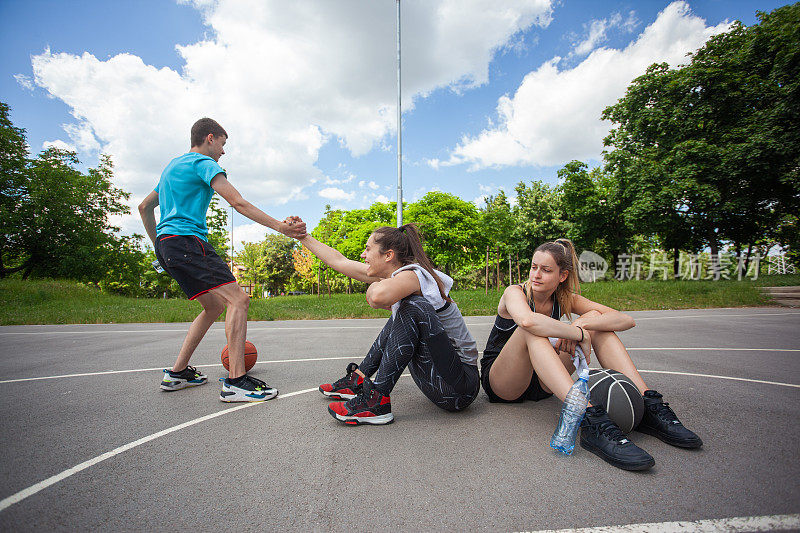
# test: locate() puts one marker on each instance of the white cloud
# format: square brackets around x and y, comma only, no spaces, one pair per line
[58,143]
[382,199]
[554,116]
[333,181]
[480,201]
[283,78]
[24,81]
[335,193]
[248,233]
[597,31]
[597,34]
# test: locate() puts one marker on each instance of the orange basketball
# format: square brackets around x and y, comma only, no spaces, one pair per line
[250,356]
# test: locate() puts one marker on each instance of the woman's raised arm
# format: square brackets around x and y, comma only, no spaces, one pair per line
[334,259]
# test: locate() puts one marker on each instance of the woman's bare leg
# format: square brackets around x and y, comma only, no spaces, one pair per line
[611,353]
[511,372]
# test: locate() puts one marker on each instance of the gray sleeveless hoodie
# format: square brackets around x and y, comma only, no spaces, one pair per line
[448,312]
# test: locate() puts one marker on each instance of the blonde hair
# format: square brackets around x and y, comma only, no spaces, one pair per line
[563,251]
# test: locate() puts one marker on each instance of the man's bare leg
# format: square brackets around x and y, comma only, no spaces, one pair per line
[213,306]
[237,303]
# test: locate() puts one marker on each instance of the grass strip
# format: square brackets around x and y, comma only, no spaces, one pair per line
[68,302]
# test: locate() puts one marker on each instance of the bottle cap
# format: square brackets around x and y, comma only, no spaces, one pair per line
[584,375]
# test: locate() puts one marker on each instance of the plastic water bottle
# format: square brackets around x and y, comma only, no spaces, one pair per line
[571,415]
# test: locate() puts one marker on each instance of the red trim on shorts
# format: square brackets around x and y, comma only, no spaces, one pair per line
[167,237]
[201,246]
[211,289]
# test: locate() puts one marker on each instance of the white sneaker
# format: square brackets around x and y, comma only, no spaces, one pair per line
[249,389]
[189,377]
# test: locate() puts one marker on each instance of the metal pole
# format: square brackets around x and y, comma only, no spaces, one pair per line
[399,131]
[231,238]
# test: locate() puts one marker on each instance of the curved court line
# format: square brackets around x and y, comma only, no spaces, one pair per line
[307,359]
[33,489]
[299,328]
[776,522]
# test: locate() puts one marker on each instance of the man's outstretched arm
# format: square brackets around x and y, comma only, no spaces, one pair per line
[147,210]
[292,229]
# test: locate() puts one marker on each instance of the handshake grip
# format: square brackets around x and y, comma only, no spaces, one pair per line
[296,227]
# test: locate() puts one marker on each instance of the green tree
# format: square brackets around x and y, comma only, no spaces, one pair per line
[451,229]
[64,227]
[251,258]
[217,223]
[497,221]
[594,207]
[538,216]
[278,264]
[14,178]
[269,262]
[710,152]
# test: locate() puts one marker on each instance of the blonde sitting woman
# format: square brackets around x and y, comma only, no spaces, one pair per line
[529,355]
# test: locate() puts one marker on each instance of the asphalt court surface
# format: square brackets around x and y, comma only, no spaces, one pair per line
[287,465]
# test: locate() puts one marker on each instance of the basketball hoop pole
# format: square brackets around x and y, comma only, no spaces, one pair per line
[399,131]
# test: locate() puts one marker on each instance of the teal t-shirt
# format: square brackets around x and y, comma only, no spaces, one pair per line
[184,194]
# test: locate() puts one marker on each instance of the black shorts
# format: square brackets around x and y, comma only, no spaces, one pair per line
[534,392]
[193,263]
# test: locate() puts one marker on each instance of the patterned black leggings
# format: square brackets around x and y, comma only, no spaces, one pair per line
[414,337]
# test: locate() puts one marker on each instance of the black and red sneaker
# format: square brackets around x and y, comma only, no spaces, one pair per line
[346,388]
[368,407]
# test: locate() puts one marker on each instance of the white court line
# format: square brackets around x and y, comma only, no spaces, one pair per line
[52,480]
[162,368]
[33,489]
[776,522]
[721,315]
[721,377]
[299,328]
[106,372]
[182,330]
[723,349]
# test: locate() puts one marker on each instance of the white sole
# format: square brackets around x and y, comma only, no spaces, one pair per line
[337,395]
[374,420]
[238,397]
[183,385]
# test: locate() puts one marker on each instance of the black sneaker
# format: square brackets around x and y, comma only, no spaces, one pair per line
[660,421]
[601,436]
[346,388]
[368,407]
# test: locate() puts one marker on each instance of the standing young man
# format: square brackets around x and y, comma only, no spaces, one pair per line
[180,240]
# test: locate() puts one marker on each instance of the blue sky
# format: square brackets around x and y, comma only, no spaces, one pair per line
[307,89]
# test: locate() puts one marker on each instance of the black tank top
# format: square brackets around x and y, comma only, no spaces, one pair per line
[504,327]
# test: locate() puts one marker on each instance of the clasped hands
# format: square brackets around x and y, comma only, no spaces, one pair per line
[294,227]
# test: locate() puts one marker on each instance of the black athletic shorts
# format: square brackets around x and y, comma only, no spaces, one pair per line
[193,263]
[534,392]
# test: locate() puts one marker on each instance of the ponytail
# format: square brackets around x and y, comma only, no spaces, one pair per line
[406,243]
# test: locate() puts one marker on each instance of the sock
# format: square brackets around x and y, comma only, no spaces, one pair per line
[178,372]
[236,381]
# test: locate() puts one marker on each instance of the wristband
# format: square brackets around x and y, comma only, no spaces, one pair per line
[580,328]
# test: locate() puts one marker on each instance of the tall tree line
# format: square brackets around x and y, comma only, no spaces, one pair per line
[703,156]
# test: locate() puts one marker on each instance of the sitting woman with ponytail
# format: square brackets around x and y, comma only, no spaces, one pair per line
[425,333]
[529,355]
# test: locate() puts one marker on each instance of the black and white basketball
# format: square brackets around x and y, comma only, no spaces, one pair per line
[617,394]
